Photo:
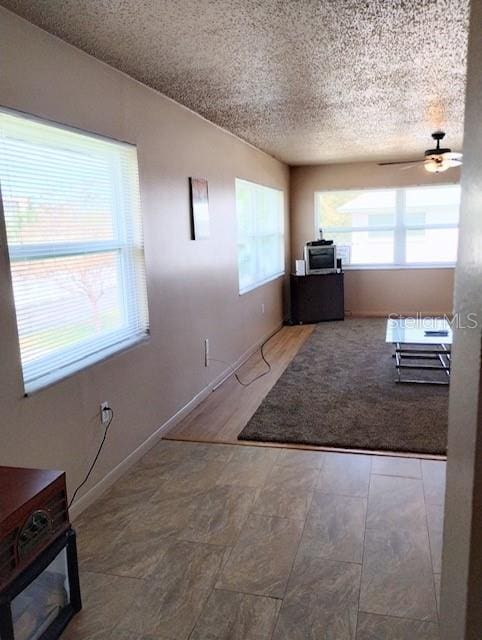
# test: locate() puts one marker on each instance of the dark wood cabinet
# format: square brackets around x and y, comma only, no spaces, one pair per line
[317,298]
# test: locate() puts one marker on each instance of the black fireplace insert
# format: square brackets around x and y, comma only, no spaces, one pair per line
[41,600]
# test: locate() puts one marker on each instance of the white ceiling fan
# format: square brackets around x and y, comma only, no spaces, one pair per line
[436,160]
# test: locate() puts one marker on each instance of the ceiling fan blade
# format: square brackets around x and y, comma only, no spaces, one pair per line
[385,164]
[412,165]
[452,155]
[453,163]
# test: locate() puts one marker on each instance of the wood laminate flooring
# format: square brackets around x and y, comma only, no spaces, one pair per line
[226,411]
[221,416]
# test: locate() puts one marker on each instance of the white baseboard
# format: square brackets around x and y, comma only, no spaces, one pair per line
[405,314]
[114,474]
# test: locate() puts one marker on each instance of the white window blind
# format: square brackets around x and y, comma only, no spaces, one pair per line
[412,226]
[260,217]
[73,223]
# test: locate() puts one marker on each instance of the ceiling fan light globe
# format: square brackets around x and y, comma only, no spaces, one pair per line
[435,165]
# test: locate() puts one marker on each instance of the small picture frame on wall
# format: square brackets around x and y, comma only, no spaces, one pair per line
[198,189]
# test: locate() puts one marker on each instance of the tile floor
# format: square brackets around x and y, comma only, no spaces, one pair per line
[218,542]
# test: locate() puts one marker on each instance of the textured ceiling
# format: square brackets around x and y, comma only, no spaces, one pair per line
[309,81]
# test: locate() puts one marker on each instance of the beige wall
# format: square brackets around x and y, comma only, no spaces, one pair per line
[461,598]
[407,291]
[192,286]
[371,291]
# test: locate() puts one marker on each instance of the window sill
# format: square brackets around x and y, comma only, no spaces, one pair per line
[396,267]
[260,284]
[50,379]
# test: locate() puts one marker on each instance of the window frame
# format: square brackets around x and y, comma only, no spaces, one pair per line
[399,229]
[95,349]
[257,236]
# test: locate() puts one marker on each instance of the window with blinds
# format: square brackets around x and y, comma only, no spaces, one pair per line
[260,217]
[73,223]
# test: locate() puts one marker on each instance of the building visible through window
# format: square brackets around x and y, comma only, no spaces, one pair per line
[415,226]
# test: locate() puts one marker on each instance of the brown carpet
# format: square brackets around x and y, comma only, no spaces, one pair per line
[340,391]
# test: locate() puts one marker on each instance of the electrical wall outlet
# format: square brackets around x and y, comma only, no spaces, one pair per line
[206,352]
[262,307]
[105,413]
